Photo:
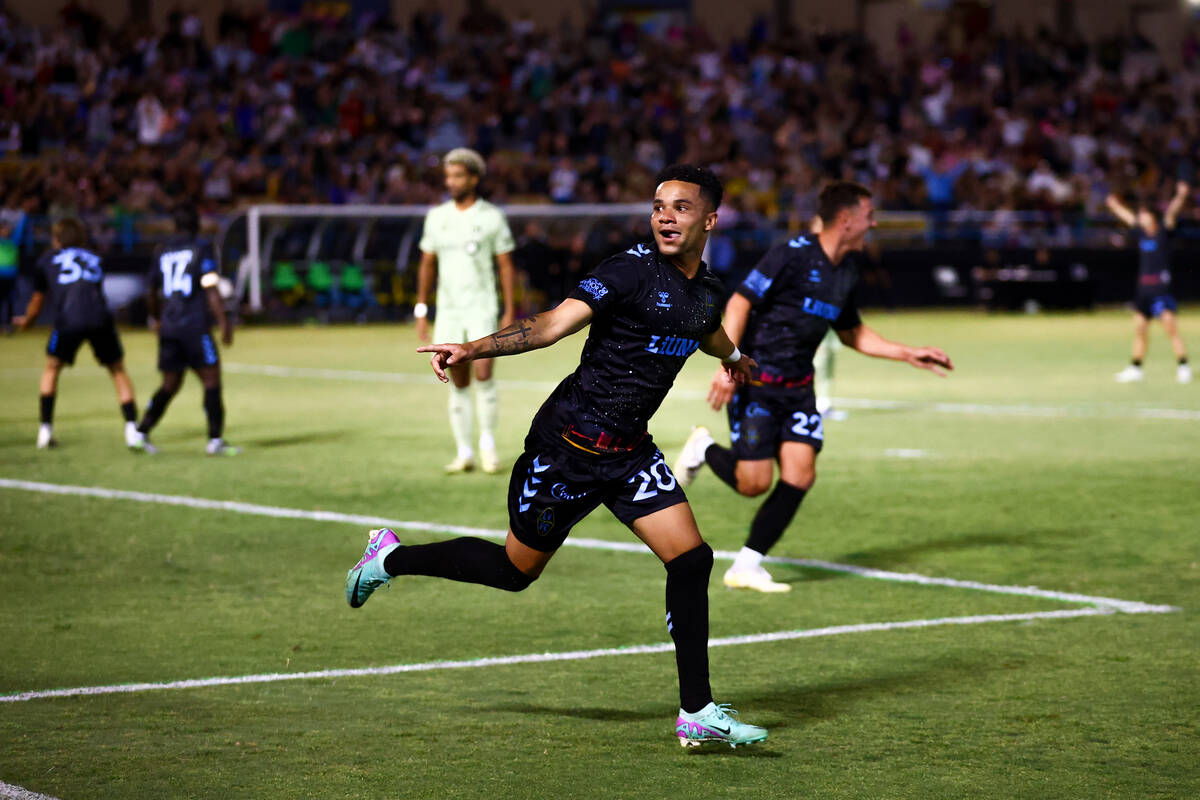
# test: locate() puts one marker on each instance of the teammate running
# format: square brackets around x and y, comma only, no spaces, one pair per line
[72,277]
[1154,297]
[460,239]
[783,308]
[185,276]
[649,308]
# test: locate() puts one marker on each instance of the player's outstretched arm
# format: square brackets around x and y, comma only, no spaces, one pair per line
[537,331]
[1120,210]
[870,343]
[1171,215]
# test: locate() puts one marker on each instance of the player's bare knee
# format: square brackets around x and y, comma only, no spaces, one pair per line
[753,487]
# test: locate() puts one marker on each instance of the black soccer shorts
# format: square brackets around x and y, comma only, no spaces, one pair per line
[763,417]
[552,489]
[1152,305]
[179,351]
[106,344]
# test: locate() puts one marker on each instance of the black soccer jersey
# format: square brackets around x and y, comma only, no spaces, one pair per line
[1154,262]
[72,279]
[183,271]
[795,295]
[649,317]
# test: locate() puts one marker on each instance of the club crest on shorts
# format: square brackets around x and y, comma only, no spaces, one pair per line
[545,521]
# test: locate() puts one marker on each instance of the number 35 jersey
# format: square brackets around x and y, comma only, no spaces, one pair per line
[183,271]
[72,280]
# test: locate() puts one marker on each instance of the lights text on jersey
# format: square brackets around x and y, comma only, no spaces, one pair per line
[820,308]
[672,346]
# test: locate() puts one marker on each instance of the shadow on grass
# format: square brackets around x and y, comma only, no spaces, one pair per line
[885,558]
[308,437]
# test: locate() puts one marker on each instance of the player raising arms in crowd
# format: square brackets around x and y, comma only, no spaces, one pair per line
[72,277]
[184,274]
[650,308]
[1154,297]
[782,309]
[460,239]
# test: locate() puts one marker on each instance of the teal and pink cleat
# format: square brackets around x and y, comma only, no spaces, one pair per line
[368,575]
[716,723]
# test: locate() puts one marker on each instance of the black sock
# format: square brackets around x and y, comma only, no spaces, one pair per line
[1137,362]
[722,462]
[214,409]
[465,559]
[129,411]
[687,622]
[47,408]
[774,516]
[155,409]
[1182,360]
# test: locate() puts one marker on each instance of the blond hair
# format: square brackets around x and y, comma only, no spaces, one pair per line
[467,158]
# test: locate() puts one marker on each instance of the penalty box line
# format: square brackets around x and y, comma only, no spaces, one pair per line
[541,658]
[278,512]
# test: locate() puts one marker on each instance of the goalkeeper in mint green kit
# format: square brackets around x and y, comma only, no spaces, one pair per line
[460,239]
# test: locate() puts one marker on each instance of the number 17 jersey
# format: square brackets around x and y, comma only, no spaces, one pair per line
[183,271]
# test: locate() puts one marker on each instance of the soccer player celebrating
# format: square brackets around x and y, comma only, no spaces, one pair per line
[783,308]
[1154,281]
[184,275]
[649,308]
[460,239]
[72,276]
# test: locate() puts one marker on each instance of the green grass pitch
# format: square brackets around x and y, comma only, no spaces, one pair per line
[1029,466]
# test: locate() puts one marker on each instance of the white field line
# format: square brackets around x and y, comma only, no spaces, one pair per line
[974,409]
[540,658]
[7,790]
[1126,606]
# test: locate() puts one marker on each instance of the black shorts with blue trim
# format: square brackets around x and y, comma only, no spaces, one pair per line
[179,351]
[763,417]
[553,486]
[1152,305]
[106,344]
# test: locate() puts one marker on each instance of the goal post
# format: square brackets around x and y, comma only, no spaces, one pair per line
[249,280]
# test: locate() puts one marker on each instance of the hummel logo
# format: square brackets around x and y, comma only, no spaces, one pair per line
[538,466]
[638,250]
[799,241]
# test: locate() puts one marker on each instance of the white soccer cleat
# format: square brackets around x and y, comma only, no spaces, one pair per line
[488,462]
[459,465]
[220,447]
[1131,374]
[691,457]
[756,578]
[46,438]
[1184,373]
[134,439]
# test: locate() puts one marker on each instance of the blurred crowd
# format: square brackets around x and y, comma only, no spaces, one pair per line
[127,120]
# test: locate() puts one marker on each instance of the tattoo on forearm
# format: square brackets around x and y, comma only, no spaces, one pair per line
[516,338]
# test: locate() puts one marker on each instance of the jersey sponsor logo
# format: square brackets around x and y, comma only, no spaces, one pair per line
[639,250]
[663,298]
[799,241]
[819,308]
[76,265]
[593,287]
[757,283]
[672,346]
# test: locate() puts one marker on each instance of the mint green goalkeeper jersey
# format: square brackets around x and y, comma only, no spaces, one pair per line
[466,244]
